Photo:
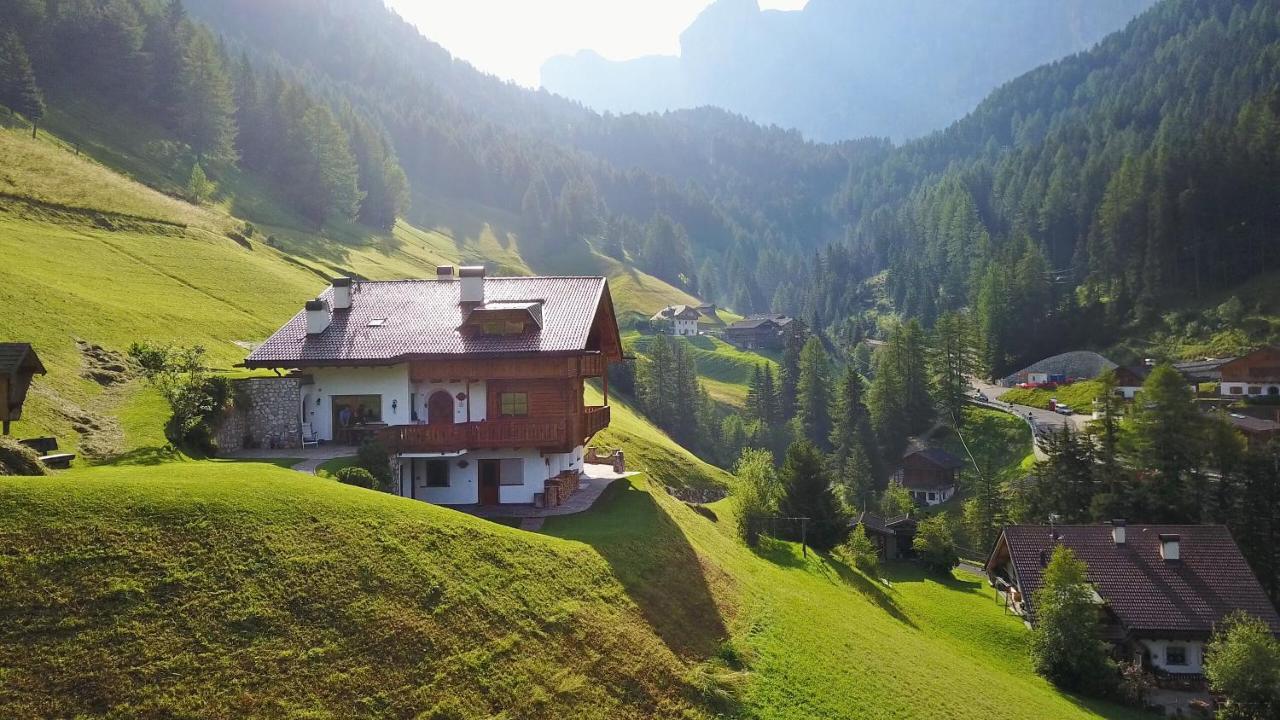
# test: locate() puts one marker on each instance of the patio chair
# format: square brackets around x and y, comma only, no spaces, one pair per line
[309,438]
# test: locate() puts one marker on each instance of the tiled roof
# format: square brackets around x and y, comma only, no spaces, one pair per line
[19,356]
[1147,593]
[939,457]
[752,323]
[1253,424]
[422,318]
[676,311]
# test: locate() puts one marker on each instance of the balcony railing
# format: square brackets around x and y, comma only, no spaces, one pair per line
[507,432]
[595,419]
[502,433]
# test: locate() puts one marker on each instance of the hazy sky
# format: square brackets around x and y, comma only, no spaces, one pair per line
[512,38]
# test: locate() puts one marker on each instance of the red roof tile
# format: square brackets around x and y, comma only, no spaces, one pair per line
[1147,593]
[422,319]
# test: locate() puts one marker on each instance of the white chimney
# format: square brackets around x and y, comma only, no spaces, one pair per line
[472,284]
[1117,532]
[444,272]
[342,293]
[1170,547]
[317,317]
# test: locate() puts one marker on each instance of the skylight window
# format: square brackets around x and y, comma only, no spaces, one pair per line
[377,322]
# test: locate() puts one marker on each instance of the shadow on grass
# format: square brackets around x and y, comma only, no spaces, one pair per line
[871,590]
[154,455]
[653,560]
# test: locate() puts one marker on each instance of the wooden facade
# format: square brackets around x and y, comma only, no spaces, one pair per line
[544,407]
[1252,375]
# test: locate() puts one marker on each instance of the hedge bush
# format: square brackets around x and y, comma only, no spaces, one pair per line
[356,476]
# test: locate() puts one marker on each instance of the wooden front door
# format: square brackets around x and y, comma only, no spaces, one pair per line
[490,481]
[440,408]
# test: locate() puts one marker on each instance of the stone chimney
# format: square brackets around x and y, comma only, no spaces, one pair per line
[444,272]
[1170,547]
[341,293]
[317,316]
[472,284]
[1117,532]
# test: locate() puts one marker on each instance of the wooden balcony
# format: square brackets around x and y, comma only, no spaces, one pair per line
[594,419]
[555,435]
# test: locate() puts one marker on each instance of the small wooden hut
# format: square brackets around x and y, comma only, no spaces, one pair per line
[18,364]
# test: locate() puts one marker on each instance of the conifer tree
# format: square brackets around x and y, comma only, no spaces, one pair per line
[855,457]
[807,494]
[813,389]
[206,115]
[18,89]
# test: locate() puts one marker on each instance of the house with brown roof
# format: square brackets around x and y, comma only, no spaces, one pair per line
[767,331]
[1254,375]
[929,474]
[891,536]
[679,320]
[473,383]
[1161,589]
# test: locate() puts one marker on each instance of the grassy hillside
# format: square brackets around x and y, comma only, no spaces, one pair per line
[237,590]
[818,639]
[1079,396]
[95,256]
[724,370]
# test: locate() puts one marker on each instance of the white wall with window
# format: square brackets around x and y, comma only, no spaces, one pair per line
[473,394]
[687,328]
[443,479]
[378,392]
[1235,389]
[1176,656]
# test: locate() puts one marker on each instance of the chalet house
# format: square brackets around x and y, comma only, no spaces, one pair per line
[679,320]
[18,364]
[1254,375]
[759,331]
[891,536]
[930,475]
[1204,370]
[474,384]
[1129,380]
[1161,589]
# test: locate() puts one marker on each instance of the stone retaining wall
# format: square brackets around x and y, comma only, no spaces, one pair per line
[265,414]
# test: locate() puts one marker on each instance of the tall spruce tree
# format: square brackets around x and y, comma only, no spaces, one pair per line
[206,113]
[18,89]
[953,357]
[855,458]
[1165,433]
[813,392]
[808,494]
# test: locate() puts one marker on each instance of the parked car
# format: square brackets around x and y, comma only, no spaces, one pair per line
[1064,410]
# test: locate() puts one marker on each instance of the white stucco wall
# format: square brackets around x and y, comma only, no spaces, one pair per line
[1127,391]
[529,465]
[1237,389]
[1194,649]
[940,495]
[685,327]
[392,383]
[476,397]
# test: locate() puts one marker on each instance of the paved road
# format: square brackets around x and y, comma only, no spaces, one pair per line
[1045,420]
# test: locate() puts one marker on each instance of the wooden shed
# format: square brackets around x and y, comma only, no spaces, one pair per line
[18,364]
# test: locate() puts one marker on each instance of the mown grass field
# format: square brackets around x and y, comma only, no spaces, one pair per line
[1078,395]
[725,370]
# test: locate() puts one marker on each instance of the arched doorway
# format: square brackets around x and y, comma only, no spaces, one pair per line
[440,408]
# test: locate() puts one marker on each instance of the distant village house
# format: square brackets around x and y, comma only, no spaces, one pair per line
[1160,589]
[930,475]
[767,332]
[680,320]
